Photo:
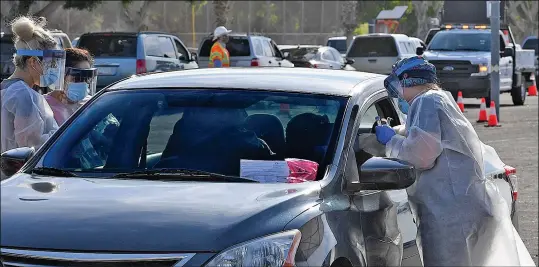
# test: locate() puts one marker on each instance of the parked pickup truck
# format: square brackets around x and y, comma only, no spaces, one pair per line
[461,54]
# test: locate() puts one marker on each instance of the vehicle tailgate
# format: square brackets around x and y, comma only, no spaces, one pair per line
[525,60]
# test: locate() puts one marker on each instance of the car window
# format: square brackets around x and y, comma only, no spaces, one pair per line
[181,50]
[153,46]
[266,46]
[371,46]
[208,130]
[276,50]
[237,46]
[531,44]
[109,45]
[167,47]
[403,48]
[258,47]
[326,55]
[336,55]
[340,45]
[463,41]
[301,53]
[59,43]
[7,49]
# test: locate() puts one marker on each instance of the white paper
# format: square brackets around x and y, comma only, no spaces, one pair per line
[265,171]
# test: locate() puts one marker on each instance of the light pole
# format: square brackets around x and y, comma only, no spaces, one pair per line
[495,54]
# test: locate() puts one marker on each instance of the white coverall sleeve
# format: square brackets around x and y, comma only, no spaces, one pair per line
[422,146]
[29,127]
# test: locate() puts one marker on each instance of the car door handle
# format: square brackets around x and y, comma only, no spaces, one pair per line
[279,64]
[269,62]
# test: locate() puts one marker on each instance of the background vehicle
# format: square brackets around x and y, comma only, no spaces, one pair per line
[121,54]
[246,50]
[75,41]
[431,34]
[531,43]
[338,43]
[315,56]
[377,52]
[418,43]
[62,39]
[466,66]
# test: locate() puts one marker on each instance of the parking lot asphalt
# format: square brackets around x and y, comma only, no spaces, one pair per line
[516,142]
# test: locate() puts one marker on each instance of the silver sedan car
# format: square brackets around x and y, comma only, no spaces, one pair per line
[316,56]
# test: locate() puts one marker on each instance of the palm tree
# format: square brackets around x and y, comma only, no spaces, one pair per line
[221,10]
[349,19]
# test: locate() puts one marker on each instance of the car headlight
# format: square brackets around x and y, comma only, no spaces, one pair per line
[482,69]
[274,250]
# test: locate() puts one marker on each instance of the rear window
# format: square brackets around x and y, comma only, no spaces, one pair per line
[531,44]
[340,45]
[237,47]
[109,45]
[373,47]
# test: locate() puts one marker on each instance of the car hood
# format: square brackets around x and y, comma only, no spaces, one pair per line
[140,215]
[474,57]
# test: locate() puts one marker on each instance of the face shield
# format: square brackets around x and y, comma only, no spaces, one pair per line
[82,77]
[53,67]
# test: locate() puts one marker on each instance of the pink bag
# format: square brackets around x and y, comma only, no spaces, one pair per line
[301,170]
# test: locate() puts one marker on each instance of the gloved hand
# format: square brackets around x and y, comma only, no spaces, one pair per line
[400,129]
[384,134]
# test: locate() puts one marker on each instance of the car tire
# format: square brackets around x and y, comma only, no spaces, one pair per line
[518,94]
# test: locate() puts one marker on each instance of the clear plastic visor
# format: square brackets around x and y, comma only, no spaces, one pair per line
[393,86]
[53,64]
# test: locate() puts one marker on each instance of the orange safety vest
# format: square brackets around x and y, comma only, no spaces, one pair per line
[218,52]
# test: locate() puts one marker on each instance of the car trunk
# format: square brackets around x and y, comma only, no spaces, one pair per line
[375,54]
[115,55]
[238,48]
[6,57]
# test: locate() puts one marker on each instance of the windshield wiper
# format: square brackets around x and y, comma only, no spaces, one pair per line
[53,172]
[181,175]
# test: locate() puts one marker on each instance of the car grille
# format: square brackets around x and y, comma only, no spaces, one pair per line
[461,68]
[32,258]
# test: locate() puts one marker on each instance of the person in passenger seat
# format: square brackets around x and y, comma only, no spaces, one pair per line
[307,136]
[214,140]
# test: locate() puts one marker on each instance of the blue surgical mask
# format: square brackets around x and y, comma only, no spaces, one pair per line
[403,106]
[76,92]
[48,78]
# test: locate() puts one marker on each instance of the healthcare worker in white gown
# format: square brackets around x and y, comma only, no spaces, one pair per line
[27,120]
[462,219]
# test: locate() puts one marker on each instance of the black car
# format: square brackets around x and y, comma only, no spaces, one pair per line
[166,170]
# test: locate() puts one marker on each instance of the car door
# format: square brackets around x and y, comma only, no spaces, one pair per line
[506,69]
[160,54]
[338,57]
[279,58]
[391,202]
[328,60]
[184,56]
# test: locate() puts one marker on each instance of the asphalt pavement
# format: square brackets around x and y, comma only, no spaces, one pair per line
[516,142]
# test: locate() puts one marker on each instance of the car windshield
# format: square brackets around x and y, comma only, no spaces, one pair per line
[340,45]
[531,44]
[455,41]
[108,45]
[302,53]
[197,129]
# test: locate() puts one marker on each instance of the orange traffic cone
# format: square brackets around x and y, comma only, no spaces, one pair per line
[482,111]
[492,118]
[532,89]
[460,101]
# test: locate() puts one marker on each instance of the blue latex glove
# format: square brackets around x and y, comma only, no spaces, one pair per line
[384,133]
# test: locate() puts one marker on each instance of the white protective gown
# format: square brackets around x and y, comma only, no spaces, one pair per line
[27,119]
[462,219]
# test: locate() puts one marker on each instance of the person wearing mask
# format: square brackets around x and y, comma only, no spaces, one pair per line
[27,119]
[219,56]
[79,85]
[462,218]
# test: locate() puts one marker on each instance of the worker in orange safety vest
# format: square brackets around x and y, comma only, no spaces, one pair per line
[219,56]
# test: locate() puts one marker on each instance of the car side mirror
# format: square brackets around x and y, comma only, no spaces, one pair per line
[383,174]
[508,52]
[419,50]
[194,57]
[349,61]
[12,160]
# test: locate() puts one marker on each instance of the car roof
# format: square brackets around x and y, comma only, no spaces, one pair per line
[340,38]
[300,80]
[397,36]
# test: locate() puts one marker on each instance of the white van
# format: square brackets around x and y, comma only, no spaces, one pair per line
[377,52]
